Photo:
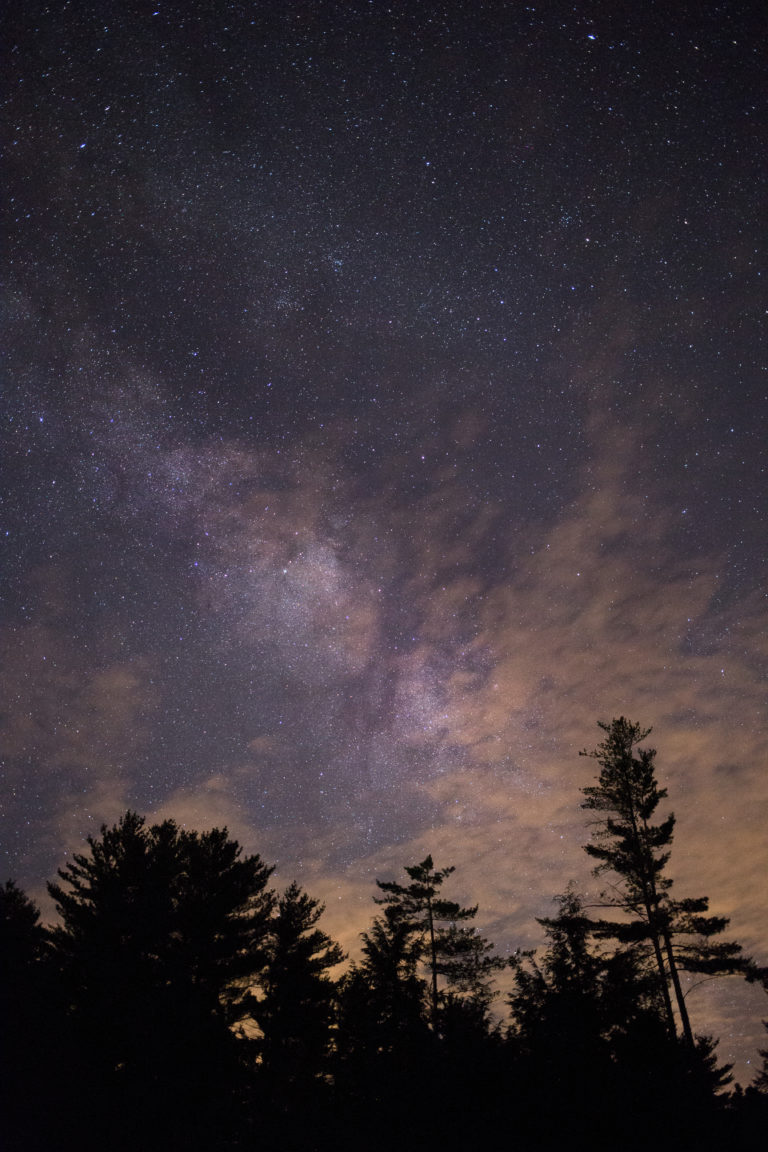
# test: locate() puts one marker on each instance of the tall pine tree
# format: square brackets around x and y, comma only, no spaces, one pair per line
[160,927]
[449,948]
[628,842]
[295,1010]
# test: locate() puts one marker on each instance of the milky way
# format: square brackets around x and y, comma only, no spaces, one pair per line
[385,406]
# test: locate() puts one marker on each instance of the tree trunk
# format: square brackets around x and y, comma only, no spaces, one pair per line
[433,958]
[680,998]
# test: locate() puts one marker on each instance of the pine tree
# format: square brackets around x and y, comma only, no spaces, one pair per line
[414,1041]
[155,907]
[22,937]
[295,1011]
[587,1031]
[628,843]
[392,951]
[438,931]
[566,1023]
[576,993]
[28,1052]
[381,1020]
[161,929]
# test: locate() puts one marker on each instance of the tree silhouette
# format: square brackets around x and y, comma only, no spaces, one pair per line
[160,928]
[626,842]
[23,941]
[166,904]
[296,1007]
[181,1005]
[574,1004]
[26,1020]
[417,1058]
[436,931]
[589,1031]
[558,1033]
[392,1001]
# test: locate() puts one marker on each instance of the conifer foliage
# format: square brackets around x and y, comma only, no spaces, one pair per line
[452,952]
[160,927]
[295,1011]
[627,842]
[148,906]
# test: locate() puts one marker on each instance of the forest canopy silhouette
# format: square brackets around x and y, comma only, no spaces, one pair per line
[181,1002]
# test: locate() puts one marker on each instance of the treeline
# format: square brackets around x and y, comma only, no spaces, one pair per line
[181,1003]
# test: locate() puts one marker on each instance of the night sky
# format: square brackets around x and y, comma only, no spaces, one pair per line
[385,404]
